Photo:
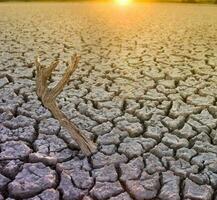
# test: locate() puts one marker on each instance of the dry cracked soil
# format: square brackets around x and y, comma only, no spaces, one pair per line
[145,92]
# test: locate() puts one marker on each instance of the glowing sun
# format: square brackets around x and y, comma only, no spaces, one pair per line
[123,2]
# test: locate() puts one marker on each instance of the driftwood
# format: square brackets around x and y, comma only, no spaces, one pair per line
[48,98]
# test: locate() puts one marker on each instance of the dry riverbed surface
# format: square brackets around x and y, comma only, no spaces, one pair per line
[145,92]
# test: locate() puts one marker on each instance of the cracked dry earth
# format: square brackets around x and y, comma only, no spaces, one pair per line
[145,91]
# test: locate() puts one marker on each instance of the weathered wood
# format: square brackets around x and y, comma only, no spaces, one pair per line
[48,98]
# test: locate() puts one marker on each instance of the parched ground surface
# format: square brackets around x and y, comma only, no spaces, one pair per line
[145,91]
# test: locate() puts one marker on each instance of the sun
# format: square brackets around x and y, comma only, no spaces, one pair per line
[123,2]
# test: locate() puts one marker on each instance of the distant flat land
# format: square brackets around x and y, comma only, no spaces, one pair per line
[145,91]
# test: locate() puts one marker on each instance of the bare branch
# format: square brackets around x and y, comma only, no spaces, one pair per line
[70,69]
[48,98]
[50,69]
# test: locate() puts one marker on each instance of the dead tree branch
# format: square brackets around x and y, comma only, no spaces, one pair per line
[48,98]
